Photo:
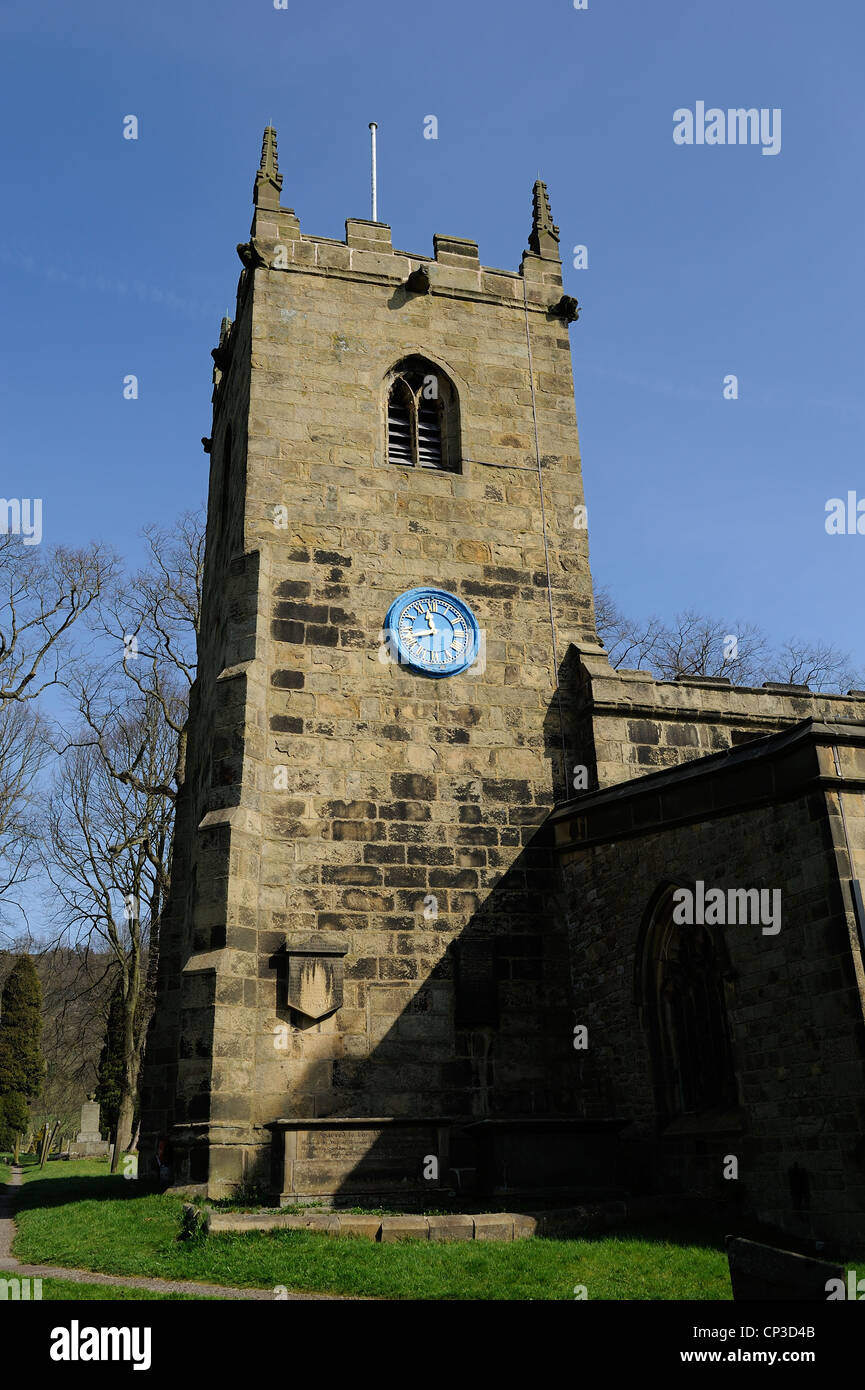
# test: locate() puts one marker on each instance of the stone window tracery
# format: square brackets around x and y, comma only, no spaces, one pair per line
[422,417]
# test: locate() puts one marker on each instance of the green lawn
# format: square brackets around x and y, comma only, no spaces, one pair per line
[76,1214]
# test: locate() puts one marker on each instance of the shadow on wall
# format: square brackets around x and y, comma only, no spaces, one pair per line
[474,1069]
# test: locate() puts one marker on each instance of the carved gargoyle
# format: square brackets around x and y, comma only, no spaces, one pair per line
[418,282]
[567,309]
[251,254]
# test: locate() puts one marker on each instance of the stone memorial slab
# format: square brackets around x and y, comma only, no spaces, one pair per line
[315,974]
[89,1132]
[771,1275]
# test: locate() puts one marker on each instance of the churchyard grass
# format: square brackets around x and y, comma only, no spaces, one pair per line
[77,1215]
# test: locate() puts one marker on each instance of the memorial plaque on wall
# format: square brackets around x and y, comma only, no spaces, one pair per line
[315,974]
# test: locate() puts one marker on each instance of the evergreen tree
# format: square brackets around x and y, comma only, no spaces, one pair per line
[110,1071]
[21,1065]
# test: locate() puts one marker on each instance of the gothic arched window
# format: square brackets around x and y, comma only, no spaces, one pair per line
[422,417]
[681,972]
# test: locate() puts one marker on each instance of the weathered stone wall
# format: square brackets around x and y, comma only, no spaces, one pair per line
[636,724]
[794,1000]
[194,920]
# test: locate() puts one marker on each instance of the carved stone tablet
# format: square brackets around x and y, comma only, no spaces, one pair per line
[315,974]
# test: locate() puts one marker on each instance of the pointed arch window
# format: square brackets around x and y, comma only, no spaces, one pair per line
[422,417]
[681,986]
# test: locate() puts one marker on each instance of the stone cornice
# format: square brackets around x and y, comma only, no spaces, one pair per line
[767,771]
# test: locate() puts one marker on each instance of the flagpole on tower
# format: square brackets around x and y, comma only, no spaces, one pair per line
[373,128]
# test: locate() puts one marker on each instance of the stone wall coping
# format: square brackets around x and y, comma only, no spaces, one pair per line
[532,1122]
[691,784]
[595,660]
[360,1121]
[397,275]
[733,707]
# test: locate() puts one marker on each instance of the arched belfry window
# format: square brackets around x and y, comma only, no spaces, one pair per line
[680,977]
[422,417]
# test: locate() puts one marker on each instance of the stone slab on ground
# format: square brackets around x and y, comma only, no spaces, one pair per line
[494,1225]
[525,1226]
[450,1228]
[771,1275]
[447,1227]
[399,1228]
[353,1224]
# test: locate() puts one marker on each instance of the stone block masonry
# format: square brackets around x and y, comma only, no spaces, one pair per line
[767,814]
[400,956]
[330,790]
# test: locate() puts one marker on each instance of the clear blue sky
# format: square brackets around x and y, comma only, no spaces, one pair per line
[703,261]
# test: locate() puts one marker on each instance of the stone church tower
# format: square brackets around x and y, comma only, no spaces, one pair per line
[362,966]
[428,835]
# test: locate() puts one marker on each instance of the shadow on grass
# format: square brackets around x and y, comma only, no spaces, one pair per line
[64,1191]
[683,1230]
[710,1229]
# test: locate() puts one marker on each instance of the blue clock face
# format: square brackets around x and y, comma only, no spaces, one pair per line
[433,631]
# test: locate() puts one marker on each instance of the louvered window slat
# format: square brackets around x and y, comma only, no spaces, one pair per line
[429,439]
[398,434]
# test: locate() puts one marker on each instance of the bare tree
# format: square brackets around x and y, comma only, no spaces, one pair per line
[112,812]
[695,645]
[76,990]
[628,643]
[107,859]
[816,664]
[24,747]
[40,600]
[153,620]
[42,597]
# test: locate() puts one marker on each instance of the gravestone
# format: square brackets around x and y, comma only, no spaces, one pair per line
[766,1273]
[89,1133]
[89,1142]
